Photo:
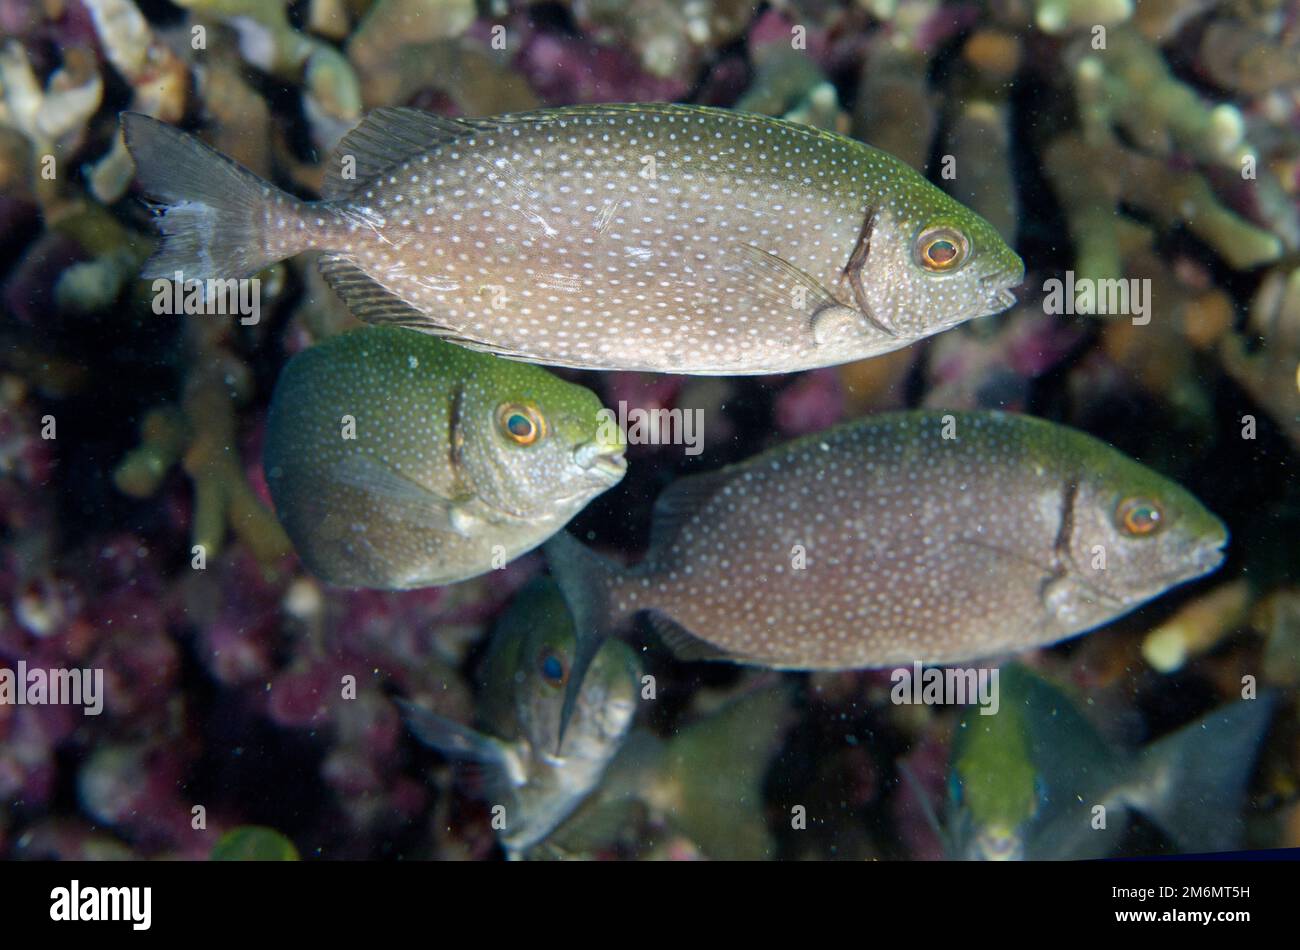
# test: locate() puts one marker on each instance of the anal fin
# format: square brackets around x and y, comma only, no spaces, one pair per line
[684,644]
[367,298]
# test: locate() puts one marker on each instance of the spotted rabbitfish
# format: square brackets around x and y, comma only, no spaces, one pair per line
[668,238]
[1027,782]
[397,460]
[537,780]
[930,536]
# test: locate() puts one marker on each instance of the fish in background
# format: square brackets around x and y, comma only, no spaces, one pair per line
[930,536]
[397,460]
[1024,782]
[704,783]
[538,779]
[658,237]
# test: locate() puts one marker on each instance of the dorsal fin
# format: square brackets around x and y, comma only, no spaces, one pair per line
[679,502]
[385,139]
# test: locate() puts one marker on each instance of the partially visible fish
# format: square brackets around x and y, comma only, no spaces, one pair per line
[397,460]
[668,238]
[538,780]
[705,782]
[939,537]
[1026,781]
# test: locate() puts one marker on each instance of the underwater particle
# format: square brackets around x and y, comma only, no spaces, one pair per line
[397,460]
[787,272]
[1198,626]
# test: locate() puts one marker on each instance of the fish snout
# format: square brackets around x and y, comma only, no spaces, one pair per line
[1210,553]
[601,458]
[1003,284]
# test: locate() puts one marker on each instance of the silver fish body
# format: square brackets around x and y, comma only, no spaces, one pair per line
[940,537]
[647,237]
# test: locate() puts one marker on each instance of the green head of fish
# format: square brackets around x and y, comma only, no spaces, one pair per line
[931,262]
[543,660]
[993,784]
[1129,533]
[530,441]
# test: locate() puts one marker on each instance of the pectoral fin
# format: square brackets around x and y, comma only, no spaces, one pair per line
[404,499]
[780,285]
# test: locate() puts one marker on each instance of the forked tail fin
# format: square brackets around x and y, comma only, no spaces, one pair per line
[1194,781]
[584,578]
[217,216]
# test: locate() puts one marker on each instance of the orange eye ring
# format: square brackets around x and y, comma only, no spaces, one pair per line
[521,424]
[1139,517]
[940,250]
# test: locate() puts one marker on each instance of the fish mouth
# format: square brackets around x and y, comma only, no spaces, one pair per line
[1209,555]
[1003,284]
[601,459]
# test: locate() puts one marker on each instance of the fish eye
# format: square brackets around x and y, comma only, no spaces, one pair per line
[521,424]
[551,668]
[941,249]
[1139,516]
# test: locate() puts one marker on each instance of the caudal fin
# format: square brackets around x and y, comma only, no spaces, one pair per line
[214,211]
[583,577]
[1195,779]
[714,775]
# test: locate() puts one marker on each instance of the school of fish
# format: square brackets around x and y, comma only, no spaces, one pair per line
[683,239]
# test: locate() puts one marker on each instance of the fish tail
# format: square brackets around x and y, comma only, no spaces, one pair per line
[216,219]
[1193,781]
[716,767]
[584,578]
